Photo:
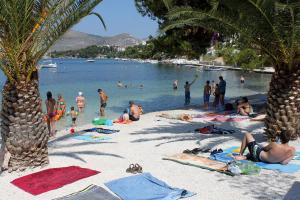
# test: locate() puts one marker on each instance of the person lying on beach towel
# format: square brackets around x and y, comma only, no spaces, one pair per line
[272,153]
[183,117]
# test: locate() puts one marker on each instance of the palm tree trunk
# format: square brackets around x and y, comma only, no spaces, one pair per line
[24,133]
[283,105]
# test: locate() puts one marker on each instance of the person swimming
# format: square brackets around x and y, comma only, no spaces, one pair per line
[120,84]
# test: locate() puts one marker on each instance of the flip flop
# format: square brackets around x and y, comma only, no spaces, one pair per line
[138,168]
[131,169]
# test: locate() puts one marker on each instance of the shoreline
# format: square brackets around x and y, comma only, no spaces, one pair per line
[147,142]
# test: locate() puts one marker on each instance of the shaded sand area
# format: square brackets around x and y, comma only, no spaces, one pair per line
[146,142]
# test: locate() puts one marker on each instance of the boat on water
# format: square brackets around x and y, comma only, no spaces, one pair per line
[90,60]
[213,68]
[48,64]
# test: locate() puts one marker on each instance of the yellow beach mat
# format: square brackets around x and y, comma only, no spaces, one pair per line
[199,161]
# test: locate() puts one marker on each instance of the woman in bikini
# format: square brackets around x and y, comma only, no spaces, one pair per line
[61,105]
[244,108]
[51,107]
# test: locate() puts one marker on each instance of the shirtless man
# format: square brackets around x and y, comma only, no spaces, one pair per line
[206,94]
[272,153]
[187,89]
[134,114]
[103,101]
[51,107]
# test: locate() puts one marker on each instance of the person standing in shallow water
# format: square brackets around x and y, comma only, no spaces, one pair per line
[206,94]
[222,89]
[242,79]
[175,85]
[51,107]
[80,101]
[103,101]
[187,89]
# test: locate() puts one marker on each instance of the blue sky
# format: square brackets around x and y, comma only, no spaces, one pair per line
[120,16]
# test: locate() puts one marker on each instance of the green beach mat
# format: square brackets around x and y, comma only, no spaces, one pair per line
[199,161]
[92,192]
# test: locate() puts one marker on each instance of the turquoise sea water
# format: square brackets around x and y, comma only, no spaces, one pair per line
[77,75]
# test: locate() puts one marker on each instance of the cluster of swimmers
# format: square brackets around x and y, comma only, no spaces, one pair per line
[122,85]
[56,109]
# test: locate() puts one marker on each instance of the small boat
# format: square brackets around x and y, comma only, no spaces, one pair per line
[90,60]
[48,64]
[213,68]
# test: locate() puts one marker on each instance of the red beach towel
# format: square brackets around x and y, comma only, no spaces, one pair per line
[51,179]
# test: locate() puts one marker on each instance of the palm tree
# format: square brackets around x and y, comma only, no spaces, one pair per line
[28,28]
[273,28]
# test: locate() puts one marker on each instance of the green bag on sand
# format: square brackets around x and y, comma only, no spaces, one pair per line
[98,121]
[248,167]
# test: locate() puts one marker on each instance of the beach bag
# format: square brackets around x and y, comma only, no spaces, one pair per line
[228,107]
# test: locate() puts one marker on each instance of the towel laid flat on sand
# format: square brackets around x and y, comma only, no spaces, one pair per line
[92,192]
[91,137]
[101,130]
[51,179]
[145,187]
[199,161]
[289,168]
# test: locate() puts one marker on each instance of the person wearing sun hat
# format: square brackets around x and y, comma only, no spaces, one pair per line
[80,100]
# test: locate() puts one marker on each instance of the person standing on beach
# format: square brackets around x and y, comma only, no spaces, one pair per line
[175,85]
[51,107]
[103,101]
[206,94]
[213,87]
[217,96]
[222,88]
[187,89]
[242,79]
[80,101]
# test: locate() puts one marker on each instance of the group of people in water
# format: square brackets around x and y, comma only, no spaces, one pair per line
[56,109]
[210,88]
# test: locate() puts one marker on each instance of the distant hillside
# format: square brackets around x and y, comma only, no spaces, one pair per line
[74,40]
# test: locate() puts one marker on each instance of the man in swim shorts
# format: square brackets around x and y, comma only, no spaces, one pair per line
[206,94]
[271,153]
[103,101]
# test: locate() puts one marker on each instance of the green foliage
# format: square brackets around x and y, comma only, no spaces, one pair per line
[271,27]
[185,41]
[249,60]
[28,28]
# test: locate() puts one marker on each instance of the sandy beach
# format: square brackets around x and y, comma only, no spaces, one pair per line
[146,142]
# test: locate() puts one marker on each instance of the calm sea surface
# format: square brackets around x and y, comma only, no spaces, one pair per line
[77,75]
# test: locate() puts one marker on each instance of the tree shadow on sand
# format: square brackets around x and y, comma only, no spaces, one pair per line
[56,145]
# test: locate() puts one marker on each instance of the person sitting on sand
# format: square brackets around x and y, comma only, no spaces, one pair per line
[272,153]
[134,114]
[243,107]
[141,109]
[183,117]
[123,118]
[80,100]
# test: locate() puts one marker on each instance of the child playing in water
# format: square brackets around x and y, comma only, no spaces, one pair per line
[73,115]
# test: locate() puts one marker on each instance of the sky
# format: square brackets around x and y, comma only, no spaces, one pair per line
[120,16]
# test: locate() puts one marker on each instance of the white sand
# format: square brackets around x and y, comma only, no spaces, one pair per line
[146,142]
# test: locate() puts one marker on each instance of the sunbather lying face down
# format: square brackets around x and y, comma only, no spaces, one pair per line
[183,117]
[272,153]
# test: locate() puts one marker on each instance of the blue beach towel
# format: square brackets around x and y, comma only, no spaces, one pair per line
[222,157]
[145,187]
[91,138]
[289,168]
